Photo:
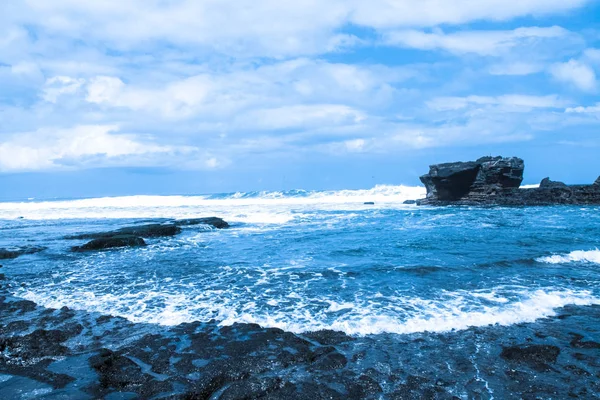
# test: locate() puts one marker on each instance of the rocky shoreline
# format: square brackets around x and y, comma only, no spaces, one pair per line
[495,181]
[75,354]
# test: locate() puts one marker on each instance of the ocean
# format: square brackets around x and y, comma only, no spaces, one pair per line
[383,274]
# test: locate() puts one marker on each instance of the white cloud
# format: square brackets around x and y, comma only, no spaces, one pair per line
[264,27]
[60,85]
[390,13]
[593,55]
[516,68]
[356,145]
[486,43]
[595,109]
[300,116]
[263,96]
[576,73]
[47,149]
[514,101]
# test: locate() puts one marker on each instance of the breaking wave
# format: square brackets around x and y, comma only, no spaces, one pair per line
[582,256]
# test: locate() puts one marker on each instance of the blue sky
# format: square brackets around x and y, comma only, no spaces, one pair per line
[120,97]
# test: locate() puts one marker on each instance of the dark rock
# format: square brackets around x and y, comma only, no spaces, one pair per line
[546,183]
[144,231]
[409,202]
[364,387]
[369,203]
[111,242]
[494,181]
[330,361]
[597,182]
[450,181]
[327,337]
[535,356]
[499,172]
[11,254]
[119,372]
[579,343]
[212,221]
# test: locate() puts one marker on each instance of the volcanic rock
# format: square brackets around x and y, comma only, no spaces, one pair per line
[212,221]
[493,181]
[450,181]
[11,254]
[144,231]
[111,242]
[546,183]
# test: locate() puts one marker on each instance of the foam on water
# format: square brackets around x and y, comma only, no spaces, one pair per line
[581,256]
[237,207]
[450,311]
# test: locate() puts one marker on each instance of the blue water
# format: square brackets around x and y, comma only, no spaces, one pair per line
[304,261]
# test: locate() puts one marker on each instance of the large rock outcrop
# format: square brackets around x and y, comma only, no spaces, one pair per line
[496,181]
[455,181]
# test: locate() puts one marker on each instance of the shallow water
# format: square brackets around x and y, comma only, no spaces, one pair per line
[304,261]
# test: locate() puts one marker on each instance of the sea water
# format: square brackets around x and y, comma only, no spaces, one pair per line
[310,260]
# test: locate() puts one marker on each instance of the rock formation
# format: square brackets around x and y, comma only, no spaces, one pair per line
[105,243]
[496,181]
[546,183]
[6,254]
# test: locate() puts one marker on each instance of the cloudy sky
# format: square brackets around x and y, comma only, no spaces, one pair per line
[110,97]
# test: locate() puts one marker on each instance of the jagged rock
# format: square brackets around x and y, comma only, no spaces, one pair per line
[453,181]
[597,182]
[497,182]
[144,231]
[212,221]
[450,181]
[409,202]
[155,230]
[111,242]
[11,254]
[546,183]
[499,172]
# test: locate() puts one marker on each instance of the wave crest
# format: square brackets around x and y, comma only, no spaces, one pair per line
[581,256]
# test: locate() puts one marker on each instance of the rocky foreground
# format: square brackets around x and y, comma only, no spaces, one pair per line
[491,181]
[74,354]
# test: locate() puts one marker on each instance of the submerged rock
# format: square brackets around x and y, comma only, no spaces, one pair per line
[212,221]
[145,231]
[155,230]
[17,252]
[493,181]
[112,242]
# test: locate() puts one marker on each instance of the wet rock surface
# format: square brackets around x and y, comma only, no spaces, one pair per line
[111,242]
[491,181]
[75,354]
[130,236]
[144,231]
[210,221]
[8,254]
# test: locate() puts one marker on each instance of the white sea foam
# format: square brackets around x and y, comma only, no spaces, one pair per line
[400,315]
[261,207]
[582,256]
[533,186]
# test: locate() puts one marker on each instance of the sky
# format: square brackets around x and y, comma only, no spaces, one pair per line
[114,97]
